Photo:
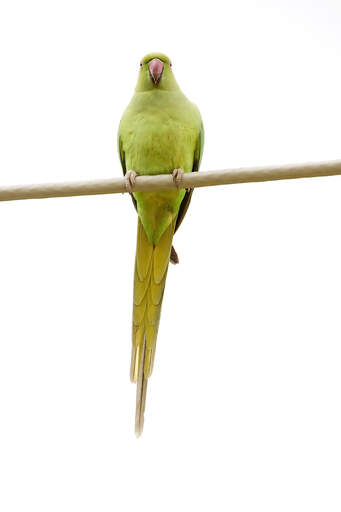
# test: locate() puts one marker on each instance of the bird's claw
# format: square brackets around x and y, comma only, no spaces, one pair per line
[130,180]
[177,175]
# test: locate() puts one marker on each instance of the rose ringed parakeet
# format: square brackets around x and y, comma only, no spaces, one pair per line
[160,132]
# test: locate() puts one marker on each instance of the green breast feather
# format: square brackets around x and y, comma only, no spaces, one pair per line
[159,132]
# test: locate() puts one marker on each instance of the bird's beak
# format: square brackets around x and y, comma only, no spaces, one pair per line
[155,69]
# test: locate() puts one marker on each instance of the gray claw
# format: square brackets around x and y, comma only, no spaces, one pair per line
[130,179]
[177,177]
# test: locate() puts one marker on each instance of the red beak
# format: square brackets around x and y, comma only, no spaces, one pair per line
[155,69]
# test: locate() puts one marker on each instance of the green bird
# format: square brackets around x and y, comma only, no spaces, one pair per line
[161,132]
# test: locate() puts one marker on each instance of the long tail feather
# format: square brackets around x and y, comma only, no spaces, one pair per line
[141,391]
[151,265]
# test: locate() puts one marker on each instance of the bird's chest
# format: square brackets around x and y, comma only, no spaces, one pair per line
[159,143]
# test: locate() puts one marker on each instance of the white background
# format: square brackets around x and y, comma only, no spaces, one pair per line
[243,409]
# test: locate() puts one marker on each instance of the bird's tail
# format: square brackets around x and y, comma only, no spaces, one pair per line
[151,265]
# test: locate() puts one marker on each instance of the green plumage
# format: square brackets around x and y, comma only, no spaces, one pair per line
[161,130]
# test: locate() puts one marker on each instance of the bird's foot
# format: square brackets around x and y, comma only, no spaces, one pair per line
[130,179]
[177,175]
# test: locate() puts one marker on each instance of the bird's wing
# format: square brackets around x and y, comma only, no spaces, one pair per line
[123,164]
[121,154]
[196,164]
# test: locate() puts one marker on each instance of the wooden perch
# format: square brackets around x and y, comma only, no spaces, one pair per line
[165,181]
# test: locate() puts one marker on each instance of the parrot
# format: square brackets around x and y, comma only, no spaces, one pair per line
[160,132]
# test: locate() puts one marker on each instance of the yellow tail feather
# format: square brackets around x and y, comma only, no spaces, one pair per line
[151,265]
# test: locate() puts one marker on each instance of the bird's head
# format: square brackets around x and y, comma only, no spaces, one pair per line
[156,73]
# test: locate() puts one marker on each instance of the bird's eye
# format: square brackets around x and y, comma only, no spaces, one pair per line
[170,64]
[140,64]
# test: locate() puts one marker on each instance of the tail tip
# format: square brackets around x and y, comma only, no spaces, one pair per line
[138,433]
[139,421]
